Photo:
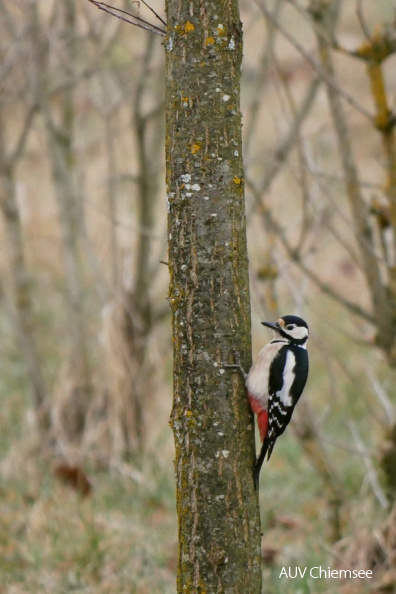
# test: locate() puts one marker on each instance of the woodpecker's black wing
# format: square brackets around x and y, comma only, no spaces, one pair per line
[287,378]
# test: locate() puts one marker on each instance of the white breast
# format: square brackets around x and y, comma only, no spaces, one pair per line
[257,380]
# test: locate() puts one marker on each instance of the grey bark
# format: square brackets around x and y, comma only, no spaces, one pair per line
[218,515]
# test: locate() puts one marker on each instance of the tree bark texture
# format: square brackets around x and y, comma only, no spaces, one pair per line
[218,515]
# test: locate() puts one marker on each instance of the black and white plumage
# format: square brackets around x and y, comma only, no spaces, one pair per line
[276,381]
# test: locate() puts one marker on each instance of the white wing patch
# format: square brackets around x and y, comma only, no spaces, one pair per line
[288,379]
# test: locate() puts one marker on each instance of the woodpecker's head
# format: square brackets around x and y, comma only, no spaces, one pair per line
[293,328]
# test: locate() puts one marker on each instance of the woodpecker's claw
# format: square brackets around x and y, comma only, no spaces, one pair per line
[237,365]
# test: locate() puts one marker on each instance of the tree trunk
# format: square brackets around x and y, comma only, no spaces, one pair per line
[218,515]
[21,292]
[74,395]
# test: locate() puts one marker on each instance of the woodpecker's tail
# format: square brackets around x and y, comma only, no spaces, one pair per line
[259,462]
[266,448]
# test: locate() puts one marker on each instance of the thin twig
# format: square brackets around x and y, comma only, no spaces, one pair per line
[382,396]
[317,173]
[138,22]
[381,303]
[127,471]
[362,20]
[260,80]
[315,65]
[21,142]
[119,222]
[154,13]
[334,229]
[287,143]
[295,257]
[371,473]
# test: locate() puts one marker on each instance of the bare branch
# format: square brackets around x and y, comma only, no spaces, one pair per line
[154,13]
[21,143]
[315,65]
[382,307]
[382,396]
[317,174]
[297,259]
[362,20]
[286,144]
[335,208]
[137,21]
[260,81]
[371,473]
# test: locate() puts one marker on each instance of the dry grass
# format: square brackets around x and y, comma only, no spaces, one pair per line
[121,538]
[375,551]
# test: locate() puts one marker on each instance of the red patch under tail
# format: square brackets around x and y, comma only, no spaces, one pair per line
[262,417]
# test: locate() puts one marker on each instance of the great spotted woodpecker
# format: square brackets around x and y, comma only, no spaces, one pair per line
[276,381]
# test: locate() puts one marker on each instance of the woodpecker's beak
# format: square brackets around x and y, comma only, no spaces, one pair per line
[273,325]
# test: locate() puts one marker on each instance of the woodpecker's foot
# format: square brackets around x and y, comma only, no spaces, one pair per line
[237,365]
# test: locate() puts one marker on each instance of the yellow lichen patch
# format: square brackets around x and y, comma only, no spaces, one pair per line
[220,30]
[237,180]
[188,27]
[196,147]
[209,41]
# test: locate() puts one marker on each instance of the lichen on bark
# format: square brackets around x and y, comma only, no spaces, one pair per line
[219,526]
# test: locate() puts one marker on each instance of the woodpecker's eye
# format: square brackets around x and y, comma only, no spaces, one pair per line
[290,326]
